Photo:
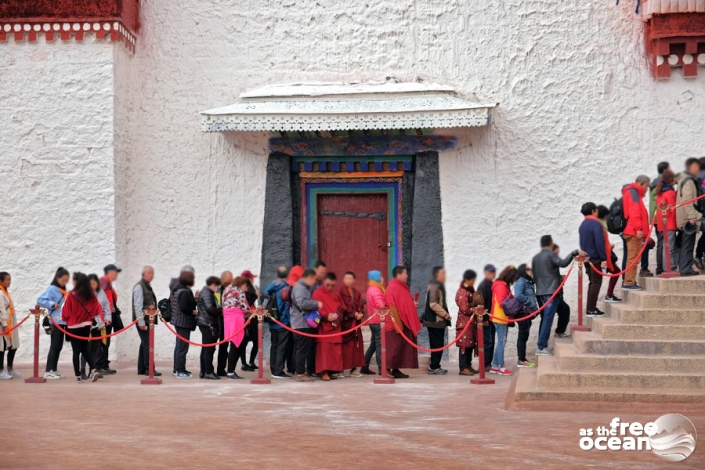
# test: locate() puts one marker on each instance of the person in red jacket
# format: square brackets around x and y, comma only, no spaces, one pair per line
[329,351]
[80,310]
[666,195]
[637,225]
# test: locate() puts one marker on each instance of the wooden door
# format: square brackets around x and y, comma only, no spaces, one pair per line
[353,234]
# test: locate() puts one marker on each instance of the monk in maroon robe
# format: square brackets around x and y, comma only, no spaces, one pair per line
[401,354]
[353,345]
[329,351]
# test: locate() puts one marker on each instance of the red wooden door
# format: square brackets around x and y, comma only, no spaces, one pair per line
[353,234]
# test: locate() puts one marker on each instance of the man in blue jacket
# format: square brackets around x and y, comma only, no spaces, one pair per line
[280,337]
[592,242]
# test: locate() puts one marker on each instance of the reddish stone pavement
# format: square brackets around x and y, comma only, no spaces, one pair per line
[423,422]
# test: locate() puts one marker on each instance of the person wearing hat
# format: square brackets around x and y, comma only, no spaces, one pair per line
[637,228]
[485,288]
[251,333]
[115,322]
[688,219]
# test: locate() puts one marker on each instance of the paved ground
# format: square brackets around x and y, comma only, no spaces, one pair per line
[425,422]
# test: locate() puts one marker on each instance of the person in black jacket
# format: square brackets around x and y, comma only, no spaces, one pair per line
[208,322]
[488,333]
[251,332]
[183,317]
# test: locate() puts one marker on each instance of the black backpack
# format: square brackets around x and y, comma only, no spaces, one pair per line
[699,205]
[164,307]
[616,222]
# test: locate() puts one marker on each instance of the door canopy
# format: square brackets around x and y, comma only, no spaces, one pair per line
[347,106]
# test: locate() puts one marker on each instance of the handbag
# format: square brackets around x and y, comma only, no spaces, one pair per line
[117,320]
[313,318]
[512,307]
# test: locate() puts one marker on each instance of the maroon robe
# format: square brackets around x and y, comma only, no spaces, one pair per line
[401,354]
[353,344]
[329,351]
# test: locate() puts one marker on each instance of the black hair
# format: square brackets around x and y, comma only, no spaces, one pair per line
[308,272]
[94,277]
[82,289]
[702,162]
[691,161]
[213,280]
[436,270]
[521,272]
[546,241]
[331,277]
[351,274]
[187,279]
[602,212]
[3,275]
[398,270]
[318,264]
[469,274]
[61,272]
[282,272]
[662,166]
[588,208]
[508,275]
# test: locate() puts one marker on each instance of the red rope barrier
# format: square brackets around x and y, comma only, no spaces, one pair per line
[201,345]
[332,335]
[690,201]
[533,314]
[94,338]
[15,327]
[421,348]
[633,263]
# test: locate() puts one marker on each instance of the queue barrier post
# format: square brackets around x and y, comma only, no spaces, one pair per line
[36,379]
[482,380]
[580,327]
[667,271]
[384,379]
[260,380]
[151,380]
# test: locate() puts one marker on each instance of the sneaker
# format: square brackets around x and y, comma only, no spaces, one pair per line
[303,378]
[438,371]
[612,299]
[698,261]
[526,364]
[646,273]
[211,376]
[79,379]
[84,376]
[466,372]
[561,335]
[635,287]
[366,371]
[504,371]
[51,375]
[94,376]
[690,273]
[14,373]
[5,375]
[234,376]
[544,352]
[282,376]
[246,368]
[355,374]
[183,375]
[596,313]
[494,370]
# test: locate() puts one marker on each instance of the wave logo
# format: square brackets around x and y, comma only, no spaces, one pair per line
[675,439]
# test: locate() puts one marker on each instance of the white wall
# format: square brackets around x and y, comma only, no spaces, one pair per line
[579,116]
[56,165]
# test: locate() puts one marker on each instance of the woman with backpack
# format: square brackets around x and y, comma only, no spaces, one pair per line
[208,321]
[53,301]
[525,292]
[666,194]
[501,300]
[183,317]
[81,310]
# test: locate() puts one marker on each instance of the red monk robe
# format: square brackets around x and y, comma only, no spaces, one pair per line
[400,354]
[329,351]
[353,344]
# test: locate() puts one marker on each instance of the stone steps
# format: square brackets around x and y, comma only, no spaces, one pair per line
[589,342]
[646,299]
[627,313]
[569,359]
[550,376]
[610,328]
[686,285]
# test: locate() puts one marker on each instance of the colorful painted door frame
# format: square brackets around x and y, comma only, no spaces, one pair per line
[312,187]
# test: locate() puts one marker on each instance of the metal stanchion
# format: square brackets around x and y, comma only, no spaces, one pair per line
[482,380]
[260,357]
[151,380]
[36,379]
[667,272]
[580,327]
[384,379]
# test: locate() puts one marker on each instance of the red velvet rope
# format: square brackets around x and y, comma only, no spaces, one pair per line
[421,348]
[14,327]
[633,263]
[687,202]
[533,314]
[332,335]
[94,338]
[211,345]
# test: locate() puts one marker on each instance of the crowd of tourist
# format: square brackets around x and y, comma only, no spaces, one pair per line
[314,317]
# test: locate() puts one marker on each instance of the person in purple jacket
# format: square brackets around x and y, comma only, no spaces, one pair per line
[592,242]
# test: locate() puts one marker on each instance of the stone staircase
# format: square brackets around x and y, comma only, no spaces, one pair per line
[646,354]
